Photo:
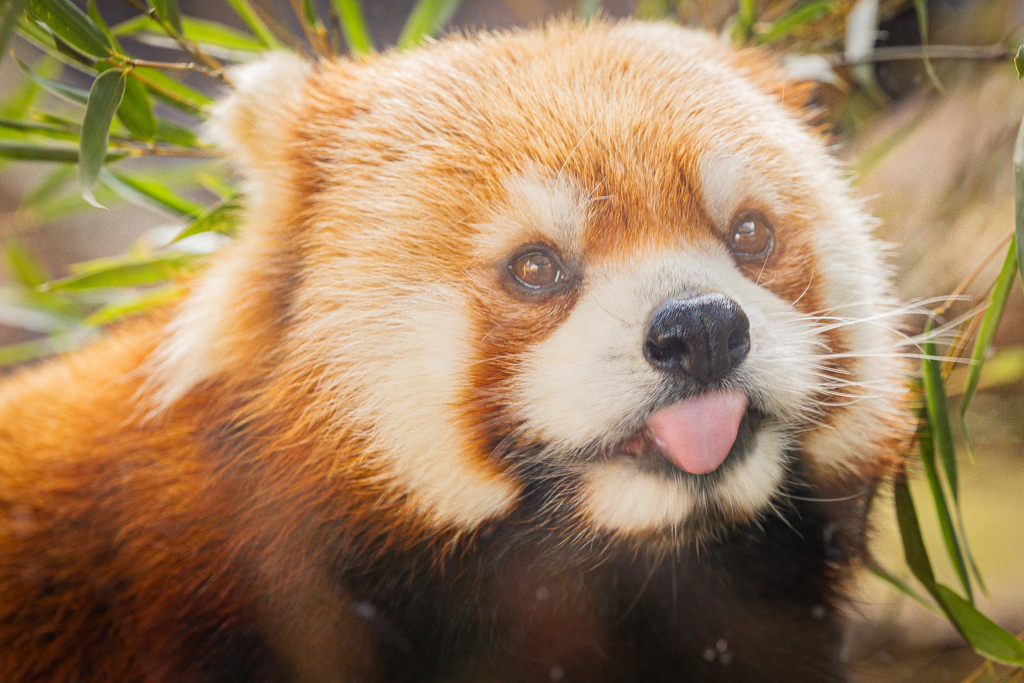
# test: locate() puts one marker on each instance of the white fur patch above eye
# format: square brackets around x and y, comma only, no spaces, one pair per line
[538,208]
[729,181]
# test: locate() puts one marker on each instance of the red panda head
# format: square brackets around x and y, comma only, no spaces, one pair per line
[604,262]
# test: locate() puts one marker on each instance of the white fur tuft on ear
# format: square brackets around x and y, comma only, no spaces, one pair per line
[254,121]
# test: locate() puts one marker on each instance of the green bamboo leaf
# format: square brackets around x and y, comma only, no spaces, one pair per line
[900,585]
[938,410]
[139,302]
[246,12]
[73,53]
[8,20]
[216,34]
[136,111]
[795,18]
[13,354]
[309,13]
[72,25]
[1018,176]
[62,90]
[31,317]
[587,9]
[221,217]
[353,25]
[986,637]
[1018,62]
[136,24]
[31,151]
[987,331]
[104,98]
[216,185]
[50,186]
[921,9]
[172,133]
[16,106]
[910,532]
[97,18]
[24,265]
[126,271]
[427,18]
[151,194]
[942,508]
[171,91]
[40,129]
[168,11]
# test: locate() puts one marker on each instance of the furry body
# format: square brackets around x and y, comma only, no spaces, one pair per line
[375,443]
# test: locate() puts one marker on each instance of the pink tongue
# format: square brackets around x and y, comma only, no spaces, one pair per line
[696,434]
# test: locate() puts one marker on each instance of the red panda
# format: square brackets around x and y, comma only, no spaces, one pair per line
[554,355]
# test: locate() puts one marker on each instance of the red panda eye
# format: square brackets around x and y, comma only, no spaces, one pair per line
[750,236]
[536,270]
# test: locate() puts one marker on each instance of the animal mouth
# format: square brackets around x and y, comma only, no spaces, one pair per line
[696,435]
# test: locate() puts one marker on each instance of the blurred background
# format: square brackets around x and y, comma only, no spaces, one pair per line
[928,148]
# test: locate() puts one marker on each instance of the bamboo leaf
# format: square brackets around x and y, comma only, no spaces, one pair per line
[587,9]
[921,9]
[126,271]
[168,11]
[8,20]
[986,637]
[62,90]
[1018,62]
[33,318]
[198,31]
[17,105]
[938,409]
[353,25]
[427,18]
[910,532]
[42,129]
[139,302]
[171,91]
[72,25]
[900,585]
[246,12]
[949,537]
[795,18]
[987,330]
[220,217]
[172,133]
[219,35]
[24,265]
[136,111]
[49,187]
[37,348]
[150,194]
[104,98]
[31,151]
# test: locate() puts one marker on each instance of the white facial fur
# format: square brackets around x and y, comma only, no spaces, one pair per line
[587,384]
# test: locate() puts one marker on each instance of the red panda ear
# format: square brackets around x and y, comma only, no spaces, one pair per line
[255,123]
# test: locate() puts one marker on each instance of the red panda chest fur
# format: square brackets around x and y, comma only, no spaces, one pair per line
[543,356]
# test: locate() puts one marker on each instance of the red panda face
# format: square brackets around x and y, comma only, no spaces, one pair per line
[607,263]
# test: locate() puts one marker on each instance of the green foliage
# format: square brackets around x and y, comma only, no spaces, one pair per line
[123,117]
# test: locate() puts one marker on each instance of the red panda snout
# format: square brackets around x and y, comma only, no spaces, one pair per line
[702,337]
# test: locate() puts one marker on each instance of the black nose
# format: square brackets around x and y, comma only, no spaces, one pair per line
[702,336]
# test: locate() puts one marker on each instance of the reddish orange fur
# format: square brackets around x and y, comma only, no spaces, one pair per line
[134,534]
